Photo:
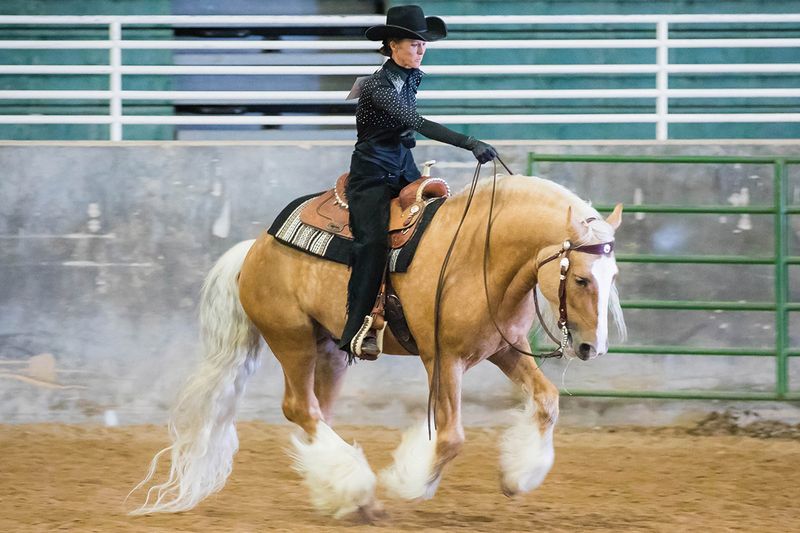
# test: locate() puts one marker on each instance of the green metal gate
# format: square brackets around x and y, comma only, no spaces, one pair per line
[781,259]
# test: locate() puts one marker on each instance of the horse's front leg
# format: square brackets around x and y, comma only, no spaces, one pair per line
[526,450]
[420,458]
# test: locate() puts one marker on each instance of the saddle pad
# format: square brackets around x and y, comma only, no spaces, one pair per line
[290,230]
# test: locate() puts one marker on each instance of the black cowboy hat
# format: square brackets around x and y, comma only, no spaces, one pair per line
[408,22]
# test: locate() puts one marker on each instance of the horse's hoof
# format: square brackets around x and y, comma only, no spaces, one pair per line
[508,492]
[372,512]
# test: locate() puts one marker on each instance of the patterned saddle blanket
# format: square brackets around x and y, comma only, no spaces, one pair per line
[319,224]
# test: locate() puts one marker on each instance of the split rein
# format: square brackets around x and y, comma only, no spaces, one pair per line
[563,253]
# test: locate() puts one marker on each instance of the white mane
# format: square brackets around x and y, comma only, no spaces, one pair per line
[598,229]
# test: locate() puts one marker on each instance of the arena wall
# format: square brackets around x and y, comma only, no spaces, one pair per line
[103,248]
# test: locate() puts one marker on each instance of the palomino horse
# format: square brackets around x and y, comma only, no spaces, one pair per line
[297,302]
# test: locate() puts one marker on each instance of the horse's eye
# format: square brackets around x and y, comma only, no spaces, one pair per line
[581,282]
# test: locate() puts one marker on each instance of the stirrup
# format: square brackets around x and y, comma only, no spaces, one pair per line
[358,339]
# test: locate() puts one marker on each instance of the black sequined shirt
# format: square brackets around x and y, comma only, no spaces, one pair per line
[388,104]
[387,110]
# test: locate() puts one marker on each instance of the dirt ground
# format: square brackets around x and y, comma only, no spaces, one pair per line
[75,478]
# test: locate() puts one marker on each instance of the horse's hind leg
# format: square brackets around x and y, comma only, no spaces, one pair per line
[336,473]
[331,367]
[526,450]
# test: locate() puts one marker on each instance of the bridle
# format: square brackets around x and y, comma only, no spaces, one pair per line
[604,248]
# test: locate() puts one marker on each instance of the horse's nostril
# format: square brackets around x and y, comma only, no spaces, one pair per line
[585,351]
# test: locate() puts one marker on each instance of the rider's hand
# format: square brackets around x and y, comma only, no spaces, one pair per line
[482,151]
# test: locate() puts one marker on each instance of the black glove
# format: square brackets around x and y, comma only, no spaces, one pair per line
[483,152]
[433,130]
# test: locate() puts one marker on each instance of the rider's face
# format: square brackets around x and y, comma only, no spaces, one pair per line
[408,52]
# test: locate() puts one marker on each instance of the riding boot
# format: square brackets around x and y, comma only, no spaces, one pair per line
[367,343]
[368,200]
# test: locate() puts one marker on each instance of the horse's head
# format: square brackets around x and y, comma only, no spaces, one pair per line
[587,290]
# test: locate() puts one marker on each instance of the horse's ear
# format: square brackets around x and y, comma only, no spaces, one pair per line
[575,229]
[615,218]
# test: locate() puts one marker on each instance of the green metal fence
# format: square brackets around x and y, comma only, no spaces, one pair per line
[781,209]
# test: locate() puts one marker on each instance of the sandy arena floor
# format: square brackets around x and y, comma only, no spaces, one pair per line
[74,478]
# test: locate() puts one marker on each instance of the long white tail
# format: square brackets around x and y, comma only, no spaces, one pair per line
[202,426]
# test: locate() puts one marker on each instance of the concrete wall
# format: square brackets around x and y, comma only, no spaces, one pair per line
[103,249]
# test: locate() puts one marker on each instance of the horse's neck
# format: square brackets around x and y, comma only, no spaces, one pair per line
[529,220]
[529,216]
[527,212]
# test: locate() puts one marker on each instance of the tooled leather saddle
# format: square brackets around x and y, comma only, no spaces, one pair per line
[329,213]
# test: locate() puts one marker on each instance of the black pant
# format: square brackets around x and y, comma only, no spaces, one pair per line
[368,198]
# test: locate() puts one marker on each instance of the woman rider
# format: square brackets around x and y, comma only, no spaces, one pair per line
[382,164]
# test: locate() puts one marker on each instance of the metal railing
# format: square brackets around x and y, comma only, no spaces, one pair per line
[661,94]
[781,305]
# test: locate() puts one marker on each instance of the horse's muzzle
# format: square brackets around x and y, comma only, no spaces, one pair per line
[586,351]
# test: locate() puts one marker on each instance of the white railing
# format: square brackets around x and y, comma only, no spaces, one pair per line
[661,69]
